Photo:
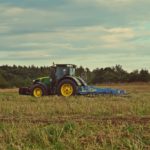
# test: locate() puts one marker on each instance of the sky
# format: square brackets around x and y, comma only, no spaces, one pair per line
[91,33]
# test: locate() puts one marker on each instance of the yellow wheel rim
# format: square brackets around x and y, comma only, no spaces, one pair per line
[66,90]
[37,92]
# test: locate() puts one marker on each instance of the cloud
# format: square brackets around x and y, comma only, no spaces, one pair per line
[4,29]
[13,11]
[88,32]
[27,20]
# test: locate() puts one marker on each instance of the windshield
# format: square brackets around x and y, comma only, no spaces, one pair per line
[61,71]
[64,71]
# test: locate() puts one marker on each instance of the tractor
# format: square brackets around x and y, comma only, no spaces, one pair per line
[62,81]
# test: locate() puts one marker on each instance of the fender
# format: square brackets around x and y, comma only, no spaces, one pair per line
[83,83]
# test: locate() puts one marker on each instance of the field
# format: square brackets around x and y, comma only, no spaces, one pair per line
[76,123]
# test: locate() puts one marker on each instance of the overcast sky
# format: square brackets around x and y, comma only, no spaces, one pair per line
[91,33]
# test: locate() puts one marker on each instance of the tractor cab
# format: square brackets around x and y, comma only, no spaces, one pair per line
[61,70]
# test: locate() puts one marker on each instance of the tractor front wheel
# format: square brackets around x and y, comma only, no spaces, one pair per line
[67,88]
[37,90]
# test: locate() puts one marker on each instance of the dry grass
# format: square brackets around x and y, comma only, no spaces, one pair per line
[14,90]
[102,122]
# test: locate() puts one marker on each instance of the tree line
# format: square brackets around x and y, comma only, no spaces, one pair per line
[16,76]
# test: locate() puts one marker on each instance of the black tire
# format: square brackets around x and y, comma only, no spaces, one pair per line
[67,81]
[38,86]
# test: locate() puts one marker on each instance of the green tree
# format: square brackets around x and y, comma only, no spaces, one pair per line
[134,76]
[144,75]
[3,82]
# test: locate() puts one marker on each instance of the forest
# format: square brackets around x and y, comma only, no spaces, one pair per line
[16,76]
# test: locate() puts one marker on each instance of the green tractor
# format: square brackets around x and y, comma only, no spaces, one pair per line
[63,82]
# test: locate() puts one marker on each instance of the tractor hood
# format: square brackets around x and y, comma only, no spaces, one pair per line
[46,80]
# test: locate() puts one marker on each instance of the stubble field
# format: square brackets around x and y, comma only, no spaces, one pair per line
[76,123]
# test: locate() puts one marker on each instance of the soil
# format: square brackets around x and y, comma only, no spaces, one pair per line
[63,119]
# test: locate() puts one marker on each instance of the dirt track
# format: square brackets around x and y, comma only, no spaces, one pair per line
[113,120]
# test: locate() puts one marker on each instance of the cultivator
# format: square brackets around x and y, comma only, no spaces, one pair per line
[91,90]
[62,81]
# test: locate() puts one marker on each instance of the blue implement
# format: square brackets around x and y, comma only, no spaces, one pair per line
[85,90]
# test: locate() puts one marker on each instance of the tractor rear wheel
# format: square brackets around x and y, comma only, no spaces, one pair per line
[67,88]
[37,90]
